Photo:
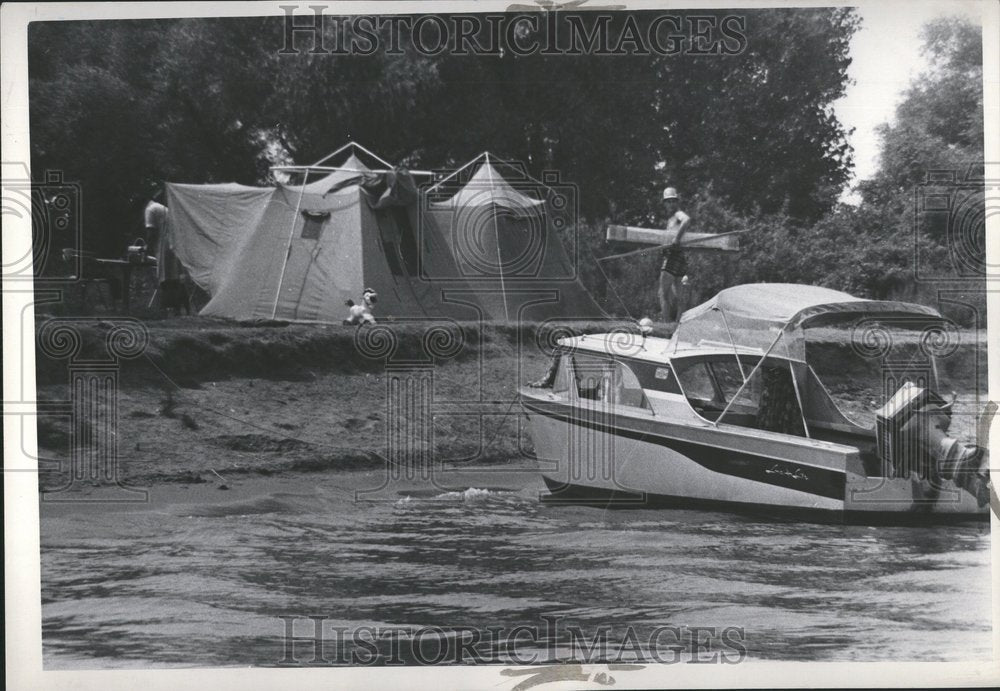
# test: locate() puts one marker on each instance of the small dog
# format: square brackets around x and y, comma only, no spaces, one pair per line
[362,314]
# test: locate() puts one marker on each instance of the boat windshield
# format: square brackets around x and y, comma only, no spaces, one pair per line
[779,395]
[772,319]
[598,377]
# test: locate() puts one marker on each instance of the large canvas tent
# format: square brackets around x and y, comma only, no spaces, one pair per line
[298,250]
[502,228]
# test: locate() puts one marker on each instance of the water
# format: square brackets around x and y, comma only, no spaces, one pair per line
[202,577]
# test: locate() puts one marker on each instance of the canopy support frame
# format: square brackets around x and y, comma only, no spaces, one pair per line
[795,384]
[732,340]
[747,381]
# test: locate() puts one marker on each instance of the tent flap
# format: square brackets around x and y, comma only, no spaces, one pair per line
[206,224]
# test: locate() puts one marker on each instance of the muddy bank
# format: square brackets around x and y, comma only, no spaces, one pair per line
[205,397]
[205,400]
[201,349]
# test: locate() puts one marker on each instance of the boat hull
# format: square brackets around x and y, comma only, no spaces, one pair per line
[592,455]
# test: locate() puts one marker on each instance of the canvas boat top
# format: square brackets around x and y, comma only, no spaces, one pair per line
[791,306]
[749,318]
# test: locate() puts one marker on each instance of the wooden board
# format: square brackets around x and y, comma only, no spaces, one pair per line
[150,261]
[725,242]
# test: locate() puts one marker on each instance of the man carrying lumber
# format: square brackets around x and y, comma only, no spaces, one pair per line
[673,268]
[674,242]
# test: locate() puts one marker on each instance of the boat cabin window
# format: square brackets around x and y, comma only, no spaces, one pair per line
[698,385]
[605,379]
[654,375]
[563,380]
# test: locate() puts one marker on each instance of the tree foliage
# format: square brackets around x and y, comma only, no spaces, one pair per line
[750,139]
[885,246]
[939,121]
[123,105]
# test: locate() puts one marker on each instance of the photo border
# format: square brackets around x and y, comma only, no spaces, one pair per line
[21,506]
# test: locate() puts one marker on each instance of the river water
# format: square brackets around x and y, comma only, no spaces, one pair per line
[205,577]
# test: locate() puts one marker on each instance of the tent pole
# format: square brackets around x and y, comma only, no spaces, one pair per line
[356,146]
[334,153]
[496,235]
[373,155]
[443,180]
[288,248]
[333,169]
[526,174]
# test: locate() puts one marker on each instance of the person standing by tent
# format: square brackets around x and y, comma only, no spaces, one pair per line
[673,268]
[171,288]
[155,217]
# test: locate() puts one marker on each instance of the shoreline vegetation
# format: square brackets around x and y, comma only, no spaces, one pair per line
[208,399]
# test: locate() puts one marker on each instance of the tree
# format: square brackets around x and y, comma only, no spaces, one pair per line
[126,104]
[88,118]
[939,121]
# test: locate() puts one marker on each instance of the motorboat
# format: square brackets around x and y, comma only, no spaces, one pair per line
[729,413]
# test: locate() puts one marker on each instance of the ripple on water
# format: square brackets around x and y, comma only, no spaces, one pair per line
[206,583]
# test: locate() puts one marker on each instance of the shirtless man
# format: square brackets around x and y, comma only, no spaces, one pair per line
[673,269]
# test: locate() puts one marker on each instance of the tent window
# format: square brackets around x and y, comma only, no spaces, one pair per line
[767,402]
[312,228]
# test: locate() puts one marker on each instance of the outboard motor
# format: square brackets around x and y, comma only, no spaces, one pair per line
[912,431]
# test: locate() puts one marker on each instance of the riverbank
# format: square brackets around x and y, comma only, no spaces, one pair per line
[206,397]
[206,401]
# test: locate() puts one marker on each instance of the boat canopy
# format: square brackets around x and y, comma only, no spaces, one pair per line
[773,317]
[791,306]
[754,314]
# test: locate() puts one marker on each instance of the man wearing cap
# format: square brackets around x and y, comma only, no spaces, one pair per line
[673,268]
